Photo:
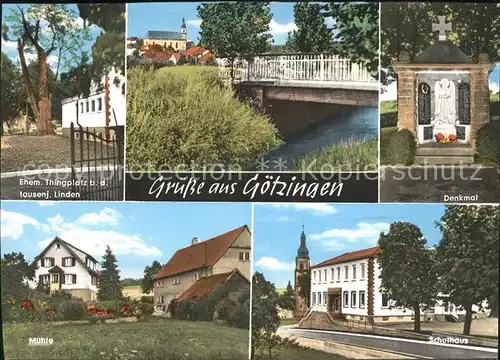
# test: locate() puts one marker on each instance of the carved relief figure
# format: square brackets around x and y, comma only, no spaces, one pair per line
[444,96]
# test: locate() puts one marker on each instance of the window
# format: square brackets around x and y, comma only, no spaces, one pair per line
[241,256]
[353,299]
[99,104]
[93,105]
[314,298]
[319,298]
[44,279]
[385,300]
[319,276]
[362,271]
[354,272]
[314,276]
[69,261]
[70,279]
[325,298]
[196,276]
[247,256]
[346,272]
[48,262]
[176,45]
[326,273]
[346,298]
[123,89]
[94,280]
[87,106]
[81,108]
[362,299]
[301,266]
[55,278]
[338,274]
[331,274]
[177,281]
[58,246]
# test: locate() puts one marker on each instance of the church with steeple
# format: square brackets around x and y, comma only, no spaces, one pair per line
[176,41]
[302,264]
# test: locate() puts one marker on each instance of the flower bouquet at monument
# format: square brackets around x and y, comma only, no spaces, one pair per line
[452,138]
[440,138]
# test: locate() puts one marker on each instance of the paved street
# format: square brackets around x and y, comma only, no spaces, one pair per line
[415,348]
[440,184]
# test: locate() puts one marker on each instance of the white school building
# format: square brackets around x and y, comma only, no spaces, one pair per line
[91,111]
[348,286]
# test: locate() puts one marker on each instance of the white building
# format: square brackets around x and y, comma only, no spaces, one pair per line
[348,286]
[61,266]
[91,111]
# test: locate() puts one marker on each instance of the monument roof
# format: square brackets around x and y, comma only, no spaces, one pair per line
[442,52]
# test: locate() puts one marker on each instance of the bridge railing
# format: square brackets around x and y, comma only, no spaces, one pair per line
[314,68]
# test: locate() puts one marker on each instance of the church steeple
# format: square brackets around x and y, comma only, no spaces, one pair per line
[302,252]
[183,30]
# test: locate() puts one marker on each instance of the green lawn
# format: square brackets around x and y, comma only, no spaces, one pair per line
[347,155]
[154,338]
[292,353]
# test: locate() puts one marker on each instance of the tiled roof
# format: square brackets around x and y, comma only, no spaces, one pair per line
[195,50]
[206,285]
[203,254]
[56,270]
[350,256]
[163,35]
[207,57]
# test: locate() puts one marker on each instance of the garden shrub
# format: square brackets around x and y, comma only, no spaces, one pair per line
[147,299]
[240,316]
[183,310]
[184,118]
[147,308]
[401,148]
[488,144]
[73,309]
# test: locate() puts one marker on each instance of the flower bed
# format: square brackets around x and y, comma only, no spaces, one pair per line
[443,139]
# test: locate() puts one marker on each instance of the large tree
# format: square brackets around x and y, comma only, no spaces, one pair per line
[233,30]
[356,28]
[312,34]
[408,27]
[109,286]
[408,274]
[149,274]
[265,320]
[43,31]
[286,299]
[16,272]
[11,93]
[468,256]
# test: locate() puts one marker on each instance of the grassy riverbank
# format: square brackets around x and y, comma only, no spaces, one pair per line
[183,118]
[344,156]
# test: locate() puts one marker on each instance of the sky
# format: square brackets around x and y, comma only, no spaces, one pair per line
[138,233]
[331,230]
[168,17]
[10,47]
[494,81]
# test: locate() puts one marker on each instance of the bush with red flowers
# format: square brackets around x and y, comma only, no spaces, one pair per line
[440,137]
[27,304]
[452,138]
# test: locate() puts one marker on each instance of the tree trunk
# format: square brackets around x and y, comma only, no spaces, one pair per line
[416,310]
[44,104]
[468,319]
[32,98]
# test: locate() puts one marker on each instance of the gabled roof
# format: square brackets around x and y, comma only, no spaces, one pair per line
[56,270]
[206,285]
[195,50]
[163,35]
[350,256]
[72,250]
[203,254]
[442,52]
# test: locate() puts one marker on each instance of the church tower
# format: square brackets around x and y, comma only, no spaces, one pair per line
[302,264]
[183,30]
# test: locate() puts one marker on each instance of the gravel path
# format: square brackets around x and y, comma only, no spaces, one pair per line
[23,152]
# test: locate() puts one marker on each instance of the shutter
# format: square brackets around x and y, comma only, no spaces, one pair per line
[52,261]
[63,277]
[73,262]
[74,279]
[40,279]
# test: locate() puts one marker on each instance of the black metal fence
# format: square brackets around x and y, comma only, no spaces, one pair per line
[97,163]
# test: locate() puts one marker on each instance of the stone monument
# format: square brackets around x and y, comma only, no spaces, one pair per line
[443,98]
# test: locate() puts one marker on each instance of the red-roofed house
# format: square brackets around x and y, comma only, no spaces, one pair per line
[221,254]
[348,286]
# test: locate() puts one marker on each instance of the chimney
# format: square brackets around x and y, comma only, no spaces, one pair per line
[195,241]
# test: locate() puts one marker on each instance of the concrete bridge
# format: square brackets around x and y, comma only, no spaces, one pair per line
[318,78]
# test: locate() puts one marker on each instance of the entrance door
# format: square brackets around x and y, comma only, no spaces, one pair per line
[336,306]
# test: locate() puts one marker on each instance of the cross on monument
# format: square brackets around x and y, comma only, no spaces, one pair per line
[442,26]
